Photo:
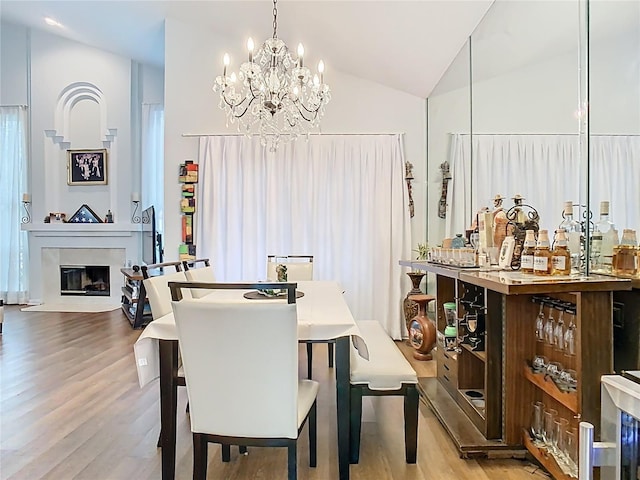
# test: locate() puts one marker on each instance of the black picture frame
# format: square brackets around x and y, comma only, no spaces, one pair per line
[87,167]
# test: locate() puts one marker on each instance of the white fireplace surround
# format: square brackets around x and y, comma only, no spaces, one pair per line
[53,245]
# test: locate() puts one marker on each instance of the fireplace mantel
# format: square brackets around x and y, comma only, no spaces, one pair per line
[82,229]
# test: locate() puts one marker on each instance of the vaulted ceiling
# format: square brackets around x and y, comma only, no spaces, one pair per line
[405,45]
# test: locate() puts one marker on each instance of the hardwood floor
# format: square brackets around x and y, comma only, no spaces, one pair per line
[71,408]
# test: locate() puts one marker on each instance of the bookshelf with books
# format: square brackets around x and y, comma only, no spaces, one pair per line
[188,177]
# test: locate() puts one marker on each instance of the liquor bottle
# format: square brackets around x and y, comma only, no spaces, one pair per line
[573,232]
[602,241]
[542,255]
[625,259]
[526,260]
[560,256]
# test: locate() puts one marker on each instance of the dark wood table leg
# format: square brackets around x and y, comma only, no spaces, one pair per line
[342,369]
[168,406]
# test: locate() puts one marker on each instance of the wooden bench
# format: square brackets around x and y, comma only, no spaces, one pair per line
[387,372]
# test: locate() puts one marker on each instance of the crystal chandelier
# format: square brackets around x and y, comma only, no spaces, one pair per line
[274,93]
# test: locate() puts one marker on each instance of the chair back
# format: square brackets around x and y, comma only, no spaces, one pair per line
[203,275]
[299,267]
[155,269]
[241,364]
[158,292]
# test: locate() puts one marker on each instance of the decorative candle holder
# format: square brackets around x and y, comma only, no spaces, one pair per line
[135,218]
[26,218]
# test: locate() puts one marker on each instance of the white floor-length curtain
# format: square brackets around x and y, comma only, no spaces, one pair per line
[340,198]
[14,254]
[615,176]
[153,160]
[544,169]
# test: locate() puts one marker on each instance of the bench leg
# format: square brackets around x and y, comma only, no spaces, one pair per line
[330,349]
[411,400]
[355,419]
[309,359]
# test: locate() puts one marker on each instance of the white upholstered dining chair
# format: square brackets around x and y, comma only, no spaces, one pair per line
[236,400]
[199,270]
[299,269]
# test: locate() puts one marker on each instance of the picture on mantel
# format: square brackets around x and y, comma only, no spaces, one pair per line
[87,167]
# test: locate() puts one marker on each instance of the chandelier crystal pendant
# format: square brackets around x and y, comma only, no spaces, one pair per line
[273,93]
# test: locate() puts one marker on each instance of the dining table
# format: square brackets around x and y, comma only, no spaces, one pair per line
[323,317]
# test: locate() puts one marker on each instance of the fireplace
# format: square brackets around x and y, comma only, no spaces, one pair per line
[89,280]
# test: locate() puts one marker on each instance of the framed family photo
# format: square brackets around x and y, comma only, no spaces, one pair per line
[87,167]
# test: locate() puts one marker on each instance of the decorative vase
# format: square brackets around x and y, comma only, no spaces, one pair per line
[422,330]
[409,307]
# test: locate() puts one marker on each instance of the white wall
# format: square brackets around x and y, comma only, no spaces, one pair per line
[193,58]
[13,64]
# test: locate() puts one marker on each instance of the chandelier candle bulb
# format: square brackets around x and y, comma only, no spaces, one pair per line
[225,61]
[250,48]
[300,55]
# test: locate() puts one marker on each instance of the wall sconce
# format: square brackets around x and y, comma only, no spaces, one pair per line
[135,199]
[26,204]
[408,177]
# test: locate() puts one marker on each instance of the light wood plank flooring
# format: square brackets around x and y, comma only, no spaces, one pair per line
[71,408]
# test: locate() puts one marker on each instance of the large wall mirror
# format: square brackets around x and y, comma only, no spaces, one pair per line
[614,77]
[525,97]
[449,129]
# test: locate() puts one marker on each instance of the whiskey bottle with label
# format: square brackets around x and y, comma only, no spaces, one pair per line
[542,255]
[560,256]
[526,260]
[625,258]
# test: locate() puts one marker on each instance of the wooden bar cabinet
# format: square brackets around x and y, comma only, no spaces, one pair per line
[484,389]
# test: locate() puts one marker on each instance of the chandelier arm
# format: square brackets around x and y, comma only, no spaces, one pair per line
[305,109]
[233,107]
[275,19]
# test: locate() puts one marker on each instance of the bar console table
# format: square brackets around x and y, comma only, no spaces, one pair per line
[484,390]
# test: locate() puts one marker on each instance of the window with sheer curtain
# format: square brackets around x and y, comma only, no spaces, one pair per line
[340,198]
[545,169]
[14,254]
[153,160]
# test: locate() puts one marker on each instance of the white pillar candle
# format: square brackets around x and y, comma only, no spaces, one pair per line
[26,197]
[135,197]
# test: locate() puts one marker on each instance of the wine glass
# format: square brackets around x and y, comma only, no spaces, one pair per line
[549,417]
[558,331]
[549,326]
[540,323]
[570,333]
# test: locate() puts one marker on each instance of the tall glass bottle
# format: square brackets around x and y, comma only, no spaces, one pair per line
[542,254]
[625,259]
[526,260]
[603,240]
[560,256]
[573,232]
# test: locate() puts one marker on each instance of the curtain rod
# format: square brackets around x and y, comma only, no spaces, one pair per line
[548,134]
[303,135]
[19,106]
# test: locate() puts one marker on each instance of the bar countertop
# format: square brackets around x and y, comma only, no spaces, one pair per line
[510,282]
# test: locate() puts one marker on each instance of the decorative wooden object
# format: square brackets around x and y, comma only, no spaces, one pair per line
[409,307]
[422,330]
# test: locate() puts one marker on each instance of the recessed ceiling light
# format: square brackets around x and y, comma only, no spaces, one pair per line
[52,22]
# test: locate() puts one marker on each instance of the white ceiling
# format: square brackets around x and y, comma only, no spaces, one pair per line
[406,45]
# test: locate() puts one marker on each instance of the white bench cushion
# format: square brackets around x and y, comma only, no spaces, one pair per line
[387,368]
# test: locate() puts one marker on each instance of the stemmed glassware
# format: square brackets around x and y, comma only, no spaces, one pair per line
[549,325]
[540,320]
[558,331]
[570,332]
